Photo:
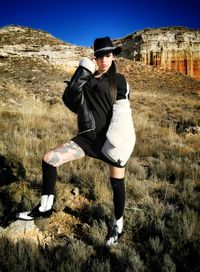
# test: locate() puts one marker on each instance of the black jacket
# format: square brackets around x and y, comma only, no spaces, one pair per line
[76,98]
[73,98]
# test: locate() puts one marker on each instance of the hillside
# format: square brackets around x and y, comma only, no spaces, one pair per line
[162,225]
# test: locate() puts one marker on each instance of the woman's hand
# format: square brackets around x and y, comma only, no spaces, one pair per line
[92,58]
[88,63]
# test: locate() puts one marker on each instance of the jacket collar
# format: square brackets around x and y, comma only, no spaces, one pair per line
[104,75]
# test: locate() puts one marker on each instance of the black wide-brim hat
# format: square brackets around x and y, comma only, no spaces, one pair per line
[103,46]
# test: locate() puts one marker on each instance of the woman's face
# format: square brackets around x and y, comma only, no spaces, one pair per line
[104,62]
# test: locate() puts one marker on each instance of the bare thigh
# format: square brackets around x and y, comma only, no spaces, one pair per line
[64,153]
[116,172]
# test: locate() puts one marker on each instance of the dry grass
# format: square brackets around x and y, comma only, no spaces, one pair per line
[162,184]
[29,129]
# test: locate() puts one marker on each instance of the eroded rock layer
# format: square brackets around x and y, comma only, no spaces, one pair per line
[176,48]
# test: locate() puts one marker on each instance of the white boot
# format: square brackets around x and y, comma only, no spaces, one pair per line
[119,223]
[46,203]
[43,209]
[115,231]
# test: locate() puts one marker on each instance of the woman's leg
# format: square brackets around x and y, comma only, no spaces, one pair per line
[63,153]
[52,159]
[118,186]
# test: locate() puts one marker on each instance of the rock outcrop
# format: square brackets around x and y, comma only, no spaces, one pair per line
[176,48]
[22,230]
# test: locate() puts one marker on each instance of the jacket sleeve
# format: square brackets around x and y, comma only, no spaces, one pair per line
[121,133]
[122,87]
[73,92]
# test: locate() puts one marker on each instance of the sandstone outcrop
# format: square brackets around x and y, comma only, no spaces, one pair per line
[176,48]
[22,230]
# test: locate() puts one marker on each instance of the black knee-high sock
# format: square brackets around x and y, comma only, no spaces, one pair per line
[49,174]
[118,187]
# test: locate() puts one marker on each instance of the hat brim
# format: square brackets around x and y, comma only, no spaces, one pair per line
[116,51]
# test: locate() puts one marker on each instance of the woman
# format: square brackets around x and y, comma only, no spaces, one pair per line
[100,100]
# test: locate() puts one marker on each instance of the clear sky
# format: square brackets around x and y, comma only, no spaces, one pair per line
[80,22]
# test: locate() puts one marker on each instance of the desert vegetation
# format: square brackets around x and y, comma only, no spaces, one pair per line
[162,224]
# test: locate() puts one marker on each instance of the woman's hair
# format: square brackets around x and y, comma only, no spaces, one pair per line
[112,82]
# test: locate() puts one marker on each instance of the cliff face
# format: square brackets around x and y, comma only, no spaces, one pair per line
[175,48]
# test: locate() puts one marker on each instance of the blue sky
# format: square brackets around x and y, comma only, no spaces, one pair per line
[80,23]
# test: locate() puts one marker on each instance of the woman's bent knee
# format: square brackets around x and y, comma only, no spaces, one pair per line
[47,157]
[53,158]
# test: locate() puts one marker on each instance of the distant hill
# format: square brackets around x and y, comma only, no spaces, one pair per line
[39,62]
[27,42]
